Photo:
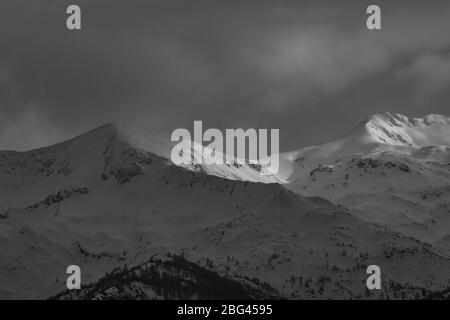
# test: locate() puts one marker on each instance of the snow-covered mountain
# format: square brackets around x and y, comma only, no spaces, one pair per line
[389,169]
[109,200]
[380,132]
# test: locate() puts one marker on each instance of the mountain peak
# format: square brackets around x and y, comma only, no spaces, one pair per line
[108,129]
[400,130]
[398,119]
[387,116]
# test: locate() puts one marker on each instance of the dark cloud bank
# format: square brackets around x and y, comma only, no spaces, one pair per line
[310,68]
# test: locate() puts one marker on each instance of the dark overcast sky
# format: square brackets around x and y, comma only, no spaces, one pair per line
[309,68]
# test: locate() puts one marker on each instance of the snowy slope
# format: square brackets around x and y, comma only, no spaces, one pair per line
[390,169]
[380,132]
[231,169]
[107,199]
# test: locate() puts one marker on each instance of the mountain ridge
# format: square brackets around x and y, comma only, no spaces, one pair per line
[389,169]
[394,128]
[105,201]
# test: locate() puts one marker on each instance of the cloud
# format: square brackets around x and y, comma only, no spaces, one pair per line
[160,65]
[28,130]
[299,64]
[430,73]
